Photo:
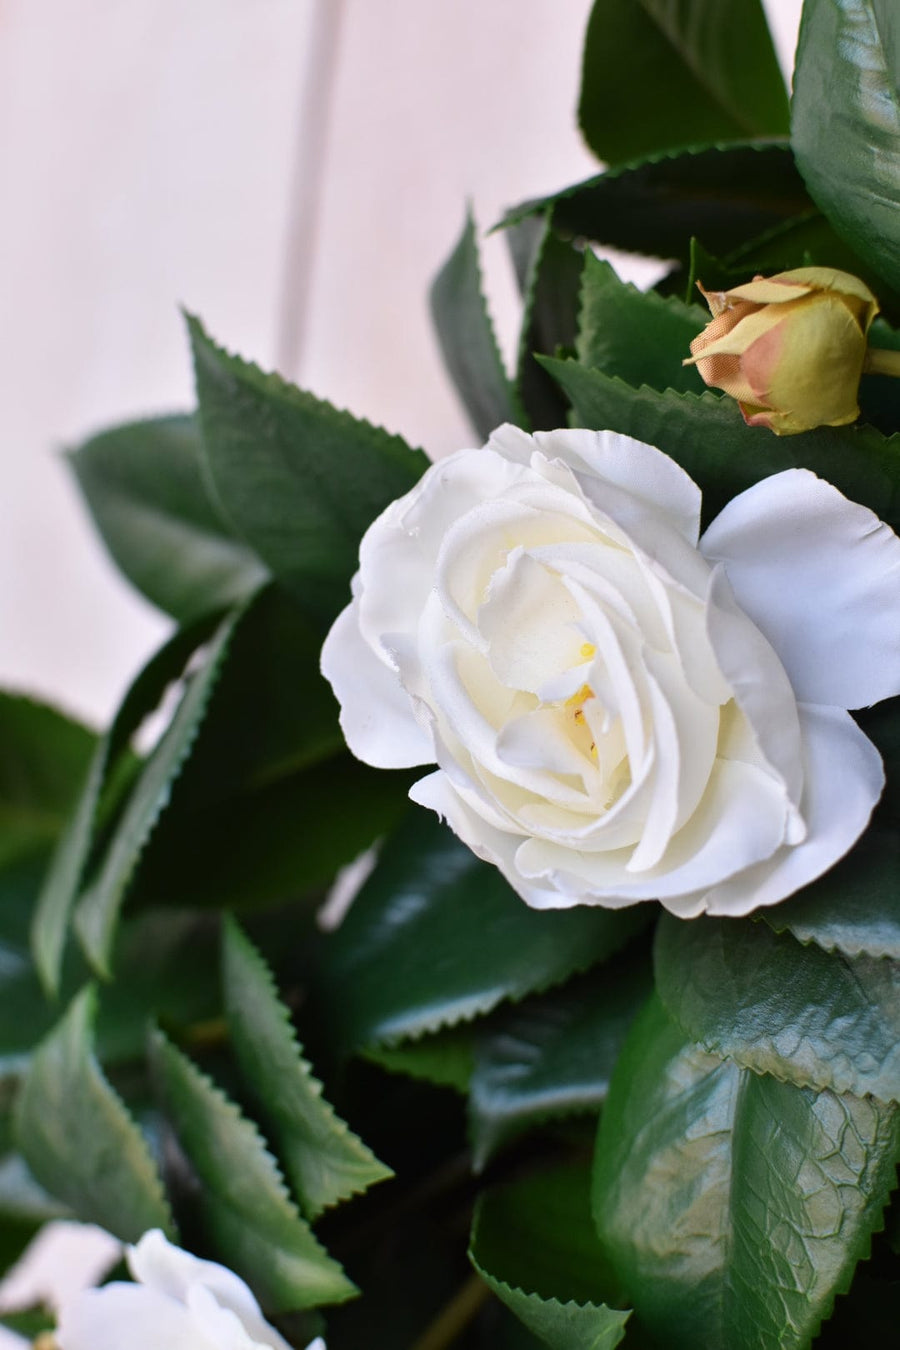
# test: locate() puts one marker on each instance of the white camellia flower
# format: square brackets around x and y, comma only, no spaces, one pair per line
[620,710]
[178,1303]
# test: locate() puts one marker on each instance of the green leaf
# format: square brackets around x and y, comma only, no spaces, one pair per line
[733,1207]
[641,337]
[64,876]
[429,893]
[246,1211]
[271,713]
[709,439]
[98,909]
[77,1137]
[690,72]
[324,1161]
[144,486]
[445,1058]
[549,323]
[846,123]
[535,1247]
[853,908]
[44,757]
[165,966]
[551,1055]
[722,194]
[811,1017]
[466,338]
[299,480]
[250,851]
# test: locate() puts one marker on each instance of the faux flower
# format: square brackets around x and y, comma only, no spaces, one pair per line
[789,348]
[178,1303]
[619,710]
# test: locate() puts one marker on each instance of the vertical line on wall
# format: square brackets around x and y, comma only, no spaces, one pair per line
[307,182]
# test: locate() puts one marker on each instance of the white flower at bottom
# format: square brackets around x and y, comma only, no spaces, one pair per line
[619,709]
[177,1303]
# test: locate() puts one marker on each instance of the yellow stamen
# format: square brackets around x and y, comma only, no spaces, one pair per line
[588,650]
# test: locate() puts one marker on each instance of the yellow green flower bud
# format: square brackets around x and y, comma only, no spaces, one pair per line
[790,348]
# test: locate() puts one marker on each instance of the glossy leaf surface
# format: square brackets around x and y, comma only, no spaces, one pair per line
[465,333]
[144,486]
[687,72]
[245,1209]
[722,194]
[552,1054]
[812,1017]
[299,480]
[854,908]
[429,893]
[732,1206]
[845,123]
[79,1140]
[323,1159]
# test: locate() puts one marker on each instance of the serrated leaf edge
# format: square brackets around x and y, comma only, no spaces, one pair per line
[97,949]
[356,1145]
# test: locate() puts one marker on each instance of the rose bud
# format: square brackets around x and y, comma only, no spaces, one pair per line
[790,348]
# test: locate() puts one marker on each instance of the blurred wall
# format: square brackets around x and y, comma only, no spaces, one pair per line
[294,171]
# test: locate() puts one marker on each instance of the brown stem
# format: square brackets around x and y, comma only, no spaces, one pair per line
[454,1316]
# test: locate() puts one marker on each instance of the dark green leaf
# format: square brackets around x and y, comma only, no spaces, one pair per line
[165,966]
[722,194]
[854,908]
[549,323]
[272,844]
[144,486]
[445,1058]
[64,876]
[551,1055]
[846,123]
[77,1137]
[322,1158]
[246,1211]
[299,480]
[709,439]
[640,336]
[466,337]
[535,1246]
[430,894]
[732,1206]
[271,713]
[98,909]
[44,757]
[804,1015]
[686,73]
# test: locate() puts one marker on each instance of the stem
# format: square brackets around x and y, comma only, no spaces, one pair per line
[879,361]
[454,1316]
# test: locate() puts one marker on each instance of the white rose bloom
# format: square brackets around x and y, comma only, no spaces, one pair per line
[178,1303]
[620,710]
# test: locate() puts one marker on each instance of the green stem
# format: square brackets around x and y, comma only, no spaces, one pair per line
[880,361]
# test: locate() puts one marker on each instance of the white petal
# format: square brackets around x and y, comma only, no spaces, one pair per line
[820,576]
[127,1315]
[740,821]
[645,476]
[377,716]
[844,779]
[494,846]
[161,1266]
